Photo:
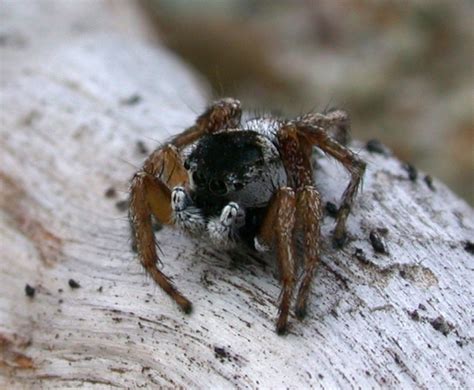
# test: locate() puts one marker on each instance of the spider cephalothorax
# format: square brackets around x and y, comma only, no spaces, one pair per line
[244,181]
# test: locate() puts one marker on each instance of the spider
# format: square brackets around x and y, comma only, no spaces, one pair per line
[235,181]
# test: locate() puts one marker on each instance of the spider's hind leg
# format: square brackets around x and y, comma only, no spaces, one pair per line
[336,122]
[317,136]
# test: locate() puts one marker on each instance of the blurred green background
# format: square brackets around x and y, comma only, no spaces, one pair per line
[402,69]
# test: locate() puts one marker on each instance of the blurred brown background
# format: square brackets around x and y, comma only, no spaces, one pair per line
[404,70]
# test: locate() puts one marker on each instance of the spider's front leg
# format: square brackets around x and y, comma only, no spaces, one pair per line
[223,230]
[149,195]
[150,192]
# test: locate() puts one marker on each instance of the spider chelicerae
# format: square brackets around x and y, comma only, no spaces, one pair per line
[247,181]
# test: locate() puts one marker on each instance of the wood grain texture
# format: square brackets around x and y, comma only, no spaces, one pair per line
[69,133]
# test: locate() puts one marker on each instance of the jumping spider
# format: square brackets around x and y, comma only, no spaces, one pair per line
[252,182]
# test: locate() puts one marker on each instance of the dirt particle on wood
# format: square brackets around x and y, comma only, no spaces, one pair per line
[414,315]
[73,284]
[376,242]
[331,209]
[375,146]
[429,182]
[411,170]
[205,279]
[14,40]
[142,148]
[30,118]
[132,100]
[469,247]
[30,291]
[441,325]
[111,192]
[122,205]
[359,254]
[221,353]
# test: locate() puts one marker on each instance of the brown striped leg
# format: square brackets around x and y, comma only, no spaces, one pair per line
[318,137]
[336,122]
[278,225]
[149,195]
[150,192]
[222,114]
[308,212]
[165,163]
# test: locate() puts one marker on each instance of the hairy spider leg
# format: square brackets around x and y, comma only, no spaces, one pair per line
[336,122]
[222,114]
[296,155]
[278,226]
[319,137]
[151,194]
[309,213]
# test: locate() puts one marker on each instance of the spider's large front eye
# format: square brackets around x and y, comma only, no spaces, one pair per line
[218,187]
[186,165]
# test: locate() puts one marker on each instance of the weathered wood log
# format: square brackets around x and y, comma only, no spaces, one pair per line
[393,308]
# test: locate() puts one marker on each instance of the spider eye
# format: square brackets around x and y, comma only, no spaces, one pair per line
[198,178]
[217,187]
[186,165]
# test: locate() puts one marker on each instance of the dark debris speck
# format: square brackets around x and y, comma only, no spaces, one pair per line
[331,209]
[375,146]
[411,170]
[441,325]
[376,242]
[359,254]
[73,284]
[429,182]
[30,291]
[469,247]
[221,352]
[414,315]
[122,205]
[110,192]
[142,148]
[131,100]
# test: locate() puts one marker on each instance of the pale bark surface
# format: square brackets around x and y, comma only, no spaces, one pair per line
[70,123]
